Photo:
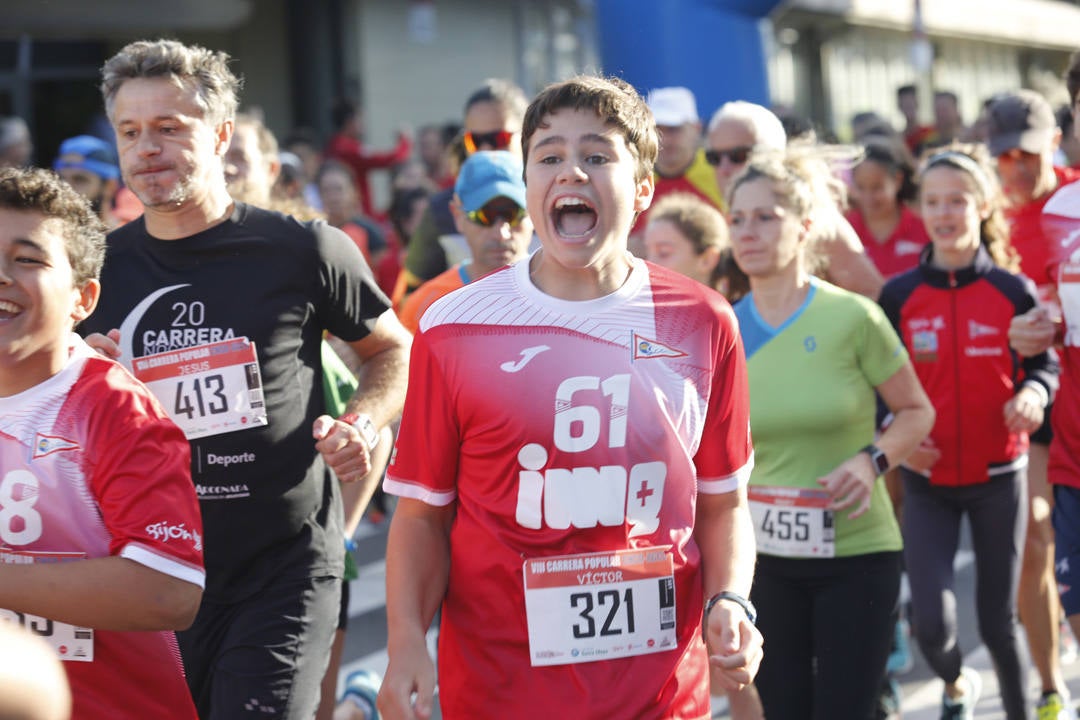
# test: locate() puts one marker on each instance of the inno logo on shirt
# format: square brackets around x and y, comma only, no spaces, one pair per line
[583,496]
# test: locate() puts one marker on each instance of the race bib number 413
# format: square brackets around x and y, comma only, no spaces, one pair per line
[598,606]
[207,389]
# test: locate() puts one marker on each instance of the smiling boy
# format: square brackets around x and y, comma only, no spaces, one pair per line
[100,534]
[572,459]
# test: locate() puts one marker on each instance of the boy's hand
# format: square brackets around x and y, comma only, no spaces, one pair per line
[107,345]
[408,688]
[734,646]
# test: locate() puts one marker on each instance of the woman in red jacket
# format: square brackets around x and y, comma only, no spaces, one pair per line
[953,314]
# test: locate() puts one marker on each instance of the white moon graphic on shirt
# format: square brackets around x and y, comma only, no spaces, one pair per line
[127,328]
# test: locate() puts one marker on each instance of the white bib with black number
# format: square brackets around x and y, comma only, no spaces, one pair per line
[70,642]
[208,389]
[792,522]
[598,606]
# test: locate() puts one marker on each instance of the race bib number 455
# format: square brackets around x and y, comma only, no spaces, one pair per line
[792,522]
[598,606]
[207,389]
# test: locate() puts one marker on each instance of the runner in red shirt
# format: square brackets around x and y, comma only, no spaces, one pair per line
[1023,136]
[891,233]
[100,534]
[572,460]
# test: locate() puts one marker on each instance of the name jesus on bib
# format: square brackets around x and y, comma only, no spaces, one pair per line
[69,642]
[792,522]
[598,606]
[207,389]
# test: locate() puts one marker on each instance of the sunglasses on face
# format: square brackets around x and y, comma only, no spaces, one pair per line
[498,140]
[491,215]
[736,155]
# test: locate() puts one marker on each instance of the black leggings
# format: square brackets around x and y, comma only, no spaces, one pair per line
[828,625]
[997,511]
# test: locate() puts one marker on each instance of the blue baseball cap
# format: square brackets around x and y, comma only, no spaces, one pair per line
[86,152]
[489,174]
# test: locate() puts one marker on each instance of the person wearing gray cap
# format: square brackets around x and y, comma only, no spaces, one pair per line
[1022,133]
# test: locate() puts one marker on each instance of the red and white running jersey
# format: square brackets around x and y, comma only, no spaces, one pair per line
[572,430]
[90,466]
[1061,226]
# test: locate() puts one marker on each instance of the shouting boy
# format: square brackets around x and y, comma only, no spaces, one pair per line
[572,459]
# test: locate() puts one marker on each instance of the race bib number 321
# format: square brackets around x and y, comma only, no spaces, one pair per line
[598,606]
[207,389]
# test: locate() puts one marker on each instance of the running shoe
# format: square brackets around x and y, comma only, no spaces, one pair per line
[361,689]
[900,660]
[963,708]
[1052,706]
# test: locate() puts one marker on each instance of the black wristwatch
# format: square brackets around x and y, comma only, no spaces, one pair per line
[877,458]
[751,611]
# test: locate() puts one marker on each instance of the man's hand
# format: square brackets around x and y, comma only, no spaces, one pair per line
[734,646]
[410,672]
[342,447]
[107,345]
[1032,333]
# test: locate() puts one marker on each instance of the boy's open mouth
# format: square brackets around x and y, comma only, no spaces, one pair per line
[8,310]
[573,217]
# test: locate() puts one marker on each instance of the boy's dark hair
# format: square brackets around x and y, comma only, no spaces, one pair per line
[614,100]
[41,191]
[905,90]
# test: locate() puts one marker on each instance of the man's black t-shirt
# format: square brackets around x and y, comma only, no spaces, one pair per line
[269,508]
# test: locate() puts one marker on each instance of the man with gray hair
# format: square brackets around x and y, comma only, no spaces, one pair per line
[736,130]
[220,307]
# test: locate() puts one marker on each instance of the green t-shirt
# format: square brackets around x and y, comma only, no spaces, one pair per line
[812,402]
